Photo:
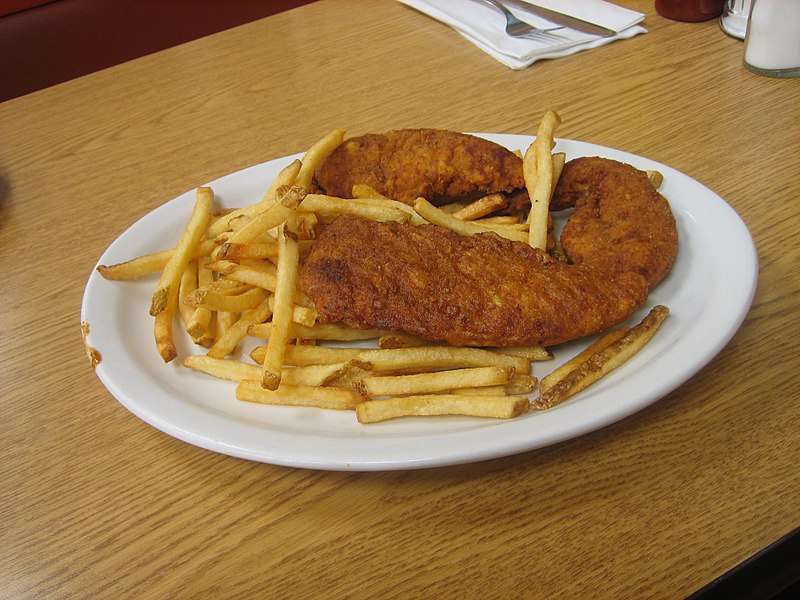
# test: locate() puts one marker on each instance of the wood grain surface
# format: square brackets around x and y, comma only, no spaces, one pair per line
[94,503]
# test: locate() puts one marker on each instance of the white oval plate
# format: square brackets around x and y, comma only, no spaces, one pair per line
[709,292]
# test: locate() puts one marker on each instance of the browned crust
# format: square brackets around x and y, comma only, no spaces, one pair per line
[434,164]
[480,290]
[620,222]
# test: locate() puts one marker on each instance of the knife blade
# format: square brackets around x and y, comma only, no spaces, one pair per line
[562,19]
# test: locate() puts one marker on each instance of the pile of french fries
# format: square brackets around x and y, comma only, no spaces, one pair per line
[234,273]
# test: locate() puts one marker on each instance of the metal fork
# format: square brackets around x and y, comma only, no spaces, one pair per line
[517,28]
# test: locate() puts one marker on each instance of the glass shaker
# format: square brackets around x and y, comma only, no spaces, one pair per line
[772,44]
[734,17]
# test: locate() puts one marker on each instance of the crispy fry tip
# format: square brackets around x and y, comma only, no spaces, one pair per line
[159,301]
[270,381]
[167,350]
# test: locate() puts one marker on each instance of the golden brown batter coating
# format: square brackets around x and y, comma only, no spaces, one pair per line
[620,222]
[478,291]
[434,164]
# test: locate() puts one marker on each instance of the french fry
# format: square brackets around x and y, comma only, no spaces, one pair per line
[206,298]
[452,207]
[301,315]
[353,370]
[252,250]
[499,407]
[559,160]
[518,226]
[149,263]
[324,331]
[316,155]
[439,217]
[500,220]
[439,381]
[227,342]
[332,206]
[334,398]
[199,325]
[239,251]
[481,207]
[219,213]
[400,360]
[403,340]
[164,303]
[655,177]
[162,331]
[235,223]
[222,368]
[207,336]
[187,285]
[521,383]
[264,276]
[489,390]
[500,227]
[224,287]
[286,177]
[304,225]
[532,353]
[289,199]
[166,293]
[517,232]
[310,355]
[288,264]
[413,217]
[318,375]
[600,344]
[433,358]
[604,361]
[537,169]
[363,190]
[236,370]
[225,320]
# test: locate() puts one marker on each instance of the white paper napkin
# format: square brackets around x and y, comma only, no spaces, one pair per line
[484,26]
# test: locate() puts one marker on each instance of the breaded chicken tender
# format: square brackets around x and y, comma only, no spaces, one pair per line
[480,290]
[433,164]
[620,222]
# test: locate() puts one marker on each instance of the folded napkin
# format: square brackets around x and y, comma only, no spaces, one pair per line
[484,25]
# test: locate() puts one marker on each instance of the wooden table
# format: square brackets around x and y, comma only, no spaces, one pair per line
[95,503]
